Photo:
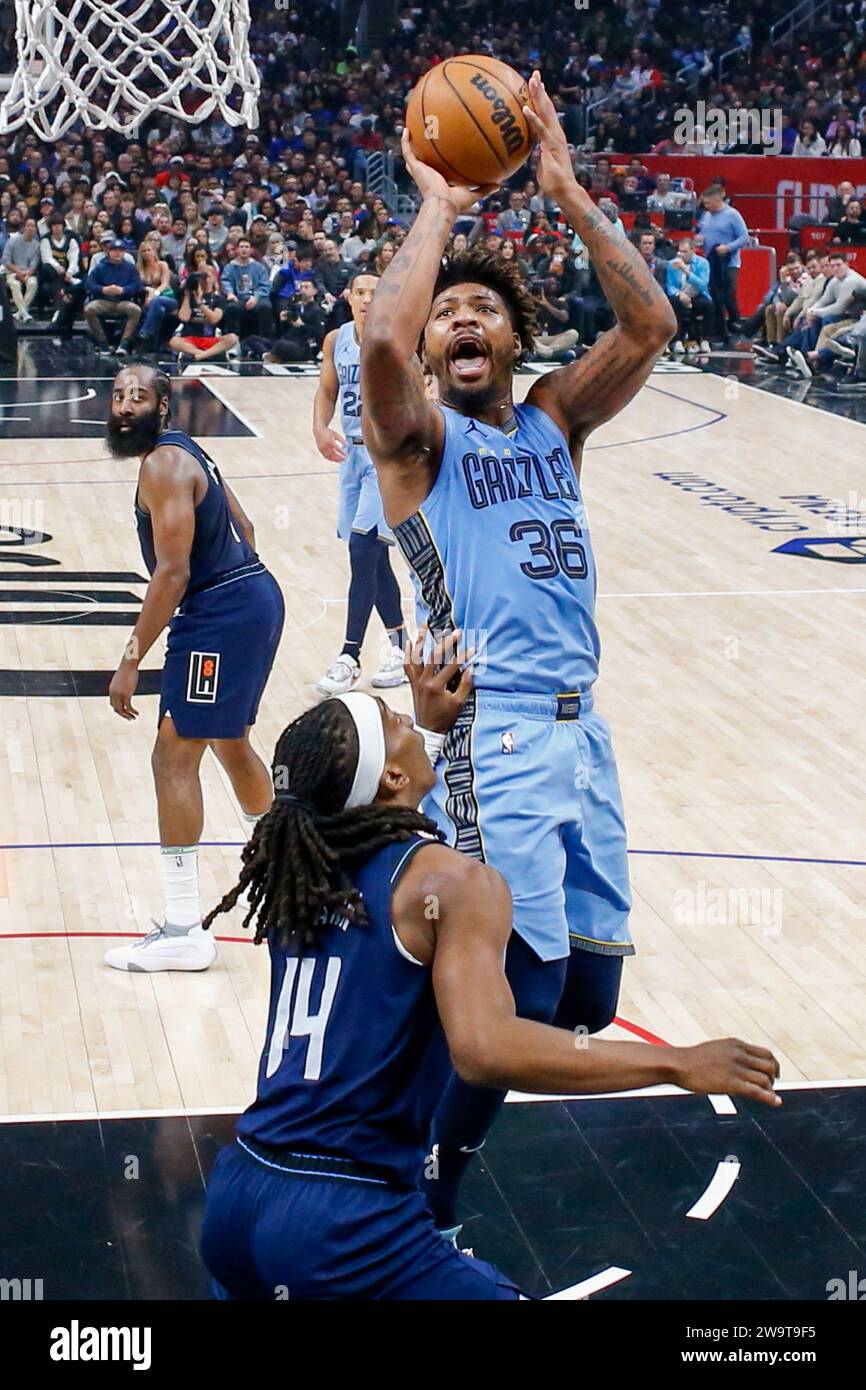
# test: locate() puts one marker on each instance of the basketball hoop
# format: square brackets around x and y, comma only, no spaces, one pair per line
[113,63]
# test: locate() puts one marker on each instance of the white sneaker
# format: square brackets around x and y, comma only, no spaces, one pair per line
[340,677]
[677,349]
[705,345]
[390,672]
[195,950]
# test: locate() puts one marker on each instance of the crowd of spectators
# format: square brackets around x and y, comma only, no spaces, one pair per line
[208,240]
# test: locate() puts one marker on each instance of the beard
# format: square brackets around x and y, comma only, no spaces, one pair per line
[133,438]
[469,398]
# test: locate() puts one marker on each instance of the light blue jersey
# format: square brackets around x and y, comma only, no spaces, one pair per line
[347,362]
[501,549]
[527,780]
[360,504]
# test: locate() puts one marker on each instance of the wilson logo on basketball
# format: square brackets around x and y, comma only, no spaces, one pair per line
[509,129]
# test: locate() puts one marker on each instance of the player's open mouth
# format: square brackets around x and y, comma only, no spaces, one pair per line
[468,358]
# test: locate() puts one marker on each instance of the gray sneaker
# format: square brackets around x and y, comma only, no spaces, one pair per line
[339,677]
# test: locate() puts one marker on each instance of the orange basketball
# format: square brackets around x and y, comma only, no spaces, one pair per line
[465,119]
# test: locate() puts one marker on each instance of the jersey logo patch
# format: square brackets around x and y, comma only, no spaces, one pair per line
[203,680]
[508,742]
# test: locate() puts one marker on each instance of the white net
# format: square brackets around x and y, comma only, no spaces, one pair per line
[113,63]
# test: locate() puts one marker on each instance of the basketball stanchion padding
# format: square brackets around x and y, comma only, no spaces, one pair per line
[112,63]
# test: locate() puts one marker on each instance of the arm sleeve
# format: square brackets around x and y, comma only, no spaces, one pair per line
[95,282]
[47,253]
[845,297]
[742,237]
[826,300]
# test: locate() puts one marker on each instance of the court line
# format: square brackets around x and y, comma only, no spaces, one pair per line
[718,416]
[700,593]
[732,593]
[790,400]
[89,395]
[191,1112]
[717,1190]
[603,1280]
[239,844]
[208,383]
[129,482]
[666,1089]
[759,858]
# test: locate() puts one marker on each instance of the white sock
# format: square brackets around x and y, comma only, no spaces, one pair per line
[180,885]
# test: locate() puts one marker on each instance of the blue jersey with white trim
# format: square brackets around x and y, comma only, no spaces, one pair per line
[501,550]
[352,1025]
[219,551]
[347,362]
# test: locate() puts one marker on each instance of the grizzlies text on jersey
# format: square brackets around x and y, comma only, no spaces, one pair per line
[501,550]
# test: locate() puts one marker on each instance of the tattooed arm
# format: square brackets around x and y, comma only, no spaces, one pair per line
[583,396]
[402,429]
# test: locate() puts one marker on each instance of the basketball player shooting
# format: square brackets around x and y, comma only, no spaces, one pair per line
[484,499]
[224,613]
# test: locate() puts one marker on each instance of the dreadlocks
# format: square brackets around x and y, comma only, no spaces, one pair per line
[297,864]
[483,268]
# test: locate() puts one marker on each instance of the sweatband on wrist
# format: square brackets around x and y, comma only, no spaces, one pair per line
[433,743]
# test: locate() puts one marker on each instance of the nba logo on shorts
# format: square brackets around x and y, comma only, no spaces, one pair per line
[508,742]
[204,670]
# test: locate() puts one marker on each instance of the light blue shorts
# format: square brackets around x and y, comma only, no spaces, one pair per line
[537,796]
[360,504]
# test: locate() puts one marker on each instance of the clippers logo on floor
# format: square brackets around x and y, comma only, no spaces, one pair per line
[204,672]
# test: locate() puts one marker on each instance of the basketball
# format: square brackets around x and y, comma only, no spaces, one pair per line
[465,119]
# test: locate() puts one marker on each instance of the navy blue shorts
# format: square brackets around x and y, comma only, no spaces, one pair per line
[221,647]
[272,1236]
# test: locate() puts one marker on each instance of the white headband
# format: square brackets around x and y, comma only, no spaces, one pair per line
[366,715]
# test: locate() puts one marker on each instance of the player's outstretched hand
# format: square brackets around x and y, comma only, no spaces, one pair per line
[124,684]
[331,445]
[431,184]
[440,682]
[728,1066]
[555,170]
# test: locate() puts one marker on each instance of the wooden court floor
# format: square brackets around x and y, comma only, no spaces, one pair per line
[732,676]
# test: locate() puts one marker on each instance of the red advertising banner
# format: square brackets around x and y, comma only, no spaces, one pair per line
[767,189]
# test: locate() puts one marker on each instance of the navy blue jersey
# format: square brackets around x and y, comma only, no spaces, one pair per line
[352,1026]
[219,552]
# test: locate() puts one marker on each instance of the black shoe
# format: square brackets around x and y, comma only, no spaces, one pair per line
[766,354]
